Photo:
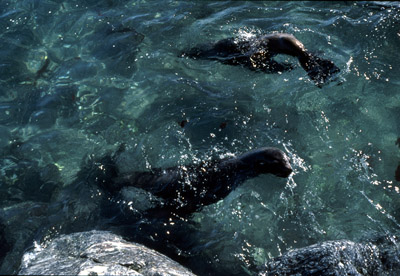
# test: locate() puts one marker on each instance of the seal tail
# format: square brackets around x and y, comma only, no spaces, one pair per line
[194,53]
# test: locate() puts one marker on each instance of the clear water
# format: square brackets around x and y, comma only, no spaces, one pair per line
[113,76]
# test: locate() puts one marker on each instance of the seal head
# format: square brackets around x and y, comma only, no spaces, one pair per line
[266,160]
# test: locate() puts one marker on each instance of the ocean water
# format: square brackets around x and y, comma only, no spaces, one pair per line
[80,78]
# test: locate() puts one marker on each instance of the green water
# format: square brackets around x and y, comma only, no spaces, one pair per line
[101,89]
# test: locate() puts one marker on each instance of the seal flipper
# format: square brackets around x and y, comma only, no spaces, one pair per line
[99,172]
[318,69]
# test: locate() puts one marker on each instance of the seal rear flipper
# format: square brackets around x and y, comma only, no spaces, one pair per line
[203,51]
[157,181]
[140,180]
[223,49]
[192,53]
[99,172]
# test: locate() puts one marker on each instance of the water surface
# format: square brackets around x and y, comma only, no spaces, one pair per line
[79,78]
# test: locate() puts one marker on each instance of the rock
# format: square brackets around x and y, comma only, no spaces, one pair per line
[4,246]
[5,136]
[44,118]
[24,180]
[338,258]
[97,252]
[18,225]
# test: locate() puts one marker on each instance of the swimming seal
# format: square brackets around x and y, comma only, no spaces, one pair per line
[186,189]
[257,52]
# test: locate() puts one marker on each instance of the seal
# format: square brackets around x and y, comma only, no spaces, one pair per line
[257,54]
[186,189]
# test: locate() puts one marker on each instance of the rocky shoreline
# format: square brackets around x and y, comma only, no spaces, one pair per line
[104,253]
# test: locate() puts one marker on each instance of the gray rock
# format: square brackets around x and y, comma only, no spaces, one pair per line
[338,258]
[95,253]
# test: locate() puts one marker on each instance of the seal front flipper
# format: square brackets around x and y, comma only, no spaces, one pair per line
[318,69]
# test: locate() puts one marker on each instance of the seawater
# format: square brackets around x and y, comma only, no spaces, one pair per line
[80,78]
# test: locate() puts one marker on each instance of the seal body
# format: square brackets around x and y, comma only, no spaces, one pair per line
[186,189]
[256,53]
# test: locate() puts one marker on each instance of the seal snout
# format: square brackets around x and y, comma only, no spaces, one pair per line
[267,160]
[278,162]
[286,170]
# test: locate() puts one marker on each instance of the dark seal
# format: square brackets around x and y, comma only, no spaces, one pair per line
[186,189]
[257,53]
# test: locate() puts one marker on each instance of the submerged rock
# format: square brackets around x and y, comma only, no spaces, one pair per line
[4,246]
[339,258]
[97,252]
[18,225]
[22,180]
